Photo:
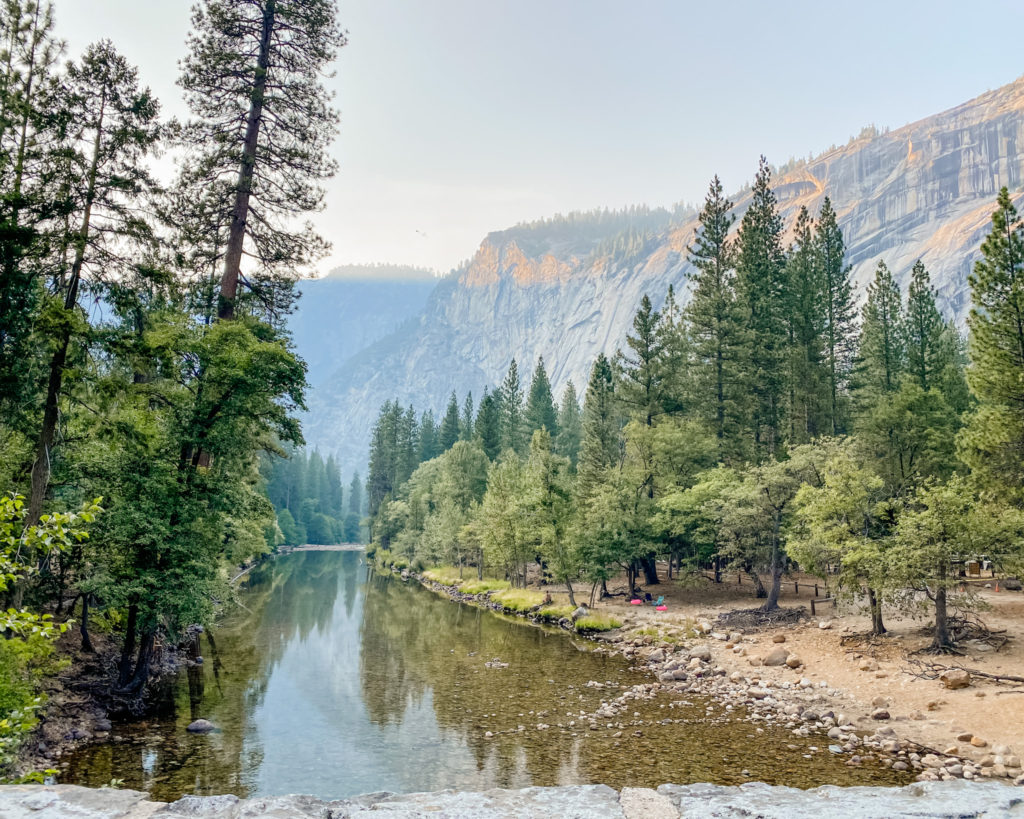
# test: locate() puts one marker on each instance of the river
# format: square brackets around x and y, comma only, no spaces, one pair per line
[331,679]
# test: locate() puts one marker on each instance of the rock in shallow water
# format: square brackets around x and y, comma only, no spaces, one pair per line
[201,726]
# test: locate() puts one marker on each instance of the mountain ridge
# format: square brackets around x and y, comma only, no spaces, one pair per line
[567,288]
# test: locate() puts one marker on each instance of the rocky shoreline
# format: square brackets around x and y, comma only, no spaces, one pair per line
[926,800]
[692,661]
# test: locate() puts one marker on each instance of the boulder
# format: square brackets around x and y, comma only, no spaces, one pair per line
[879,713]
[701,653]
[580,612]
[776,657]
[793,661]
[955,678]
[1012,584]
[201,726]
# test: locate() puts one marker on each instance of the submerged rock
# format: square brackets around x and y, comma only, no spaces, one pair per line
[201,726]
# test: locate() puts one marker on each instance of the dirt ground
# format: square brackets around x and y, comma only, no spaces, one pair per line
[921,709]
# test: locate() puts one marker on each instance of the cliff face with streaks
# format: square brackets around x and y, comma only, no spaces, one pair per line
[567,289]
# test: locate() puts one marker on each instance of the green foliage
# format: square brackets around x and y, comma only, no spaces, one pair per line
[540,405]
[597,622]
[993,440]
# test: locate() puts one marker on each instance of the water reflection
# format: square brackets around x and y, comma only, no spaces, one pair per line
[333,680]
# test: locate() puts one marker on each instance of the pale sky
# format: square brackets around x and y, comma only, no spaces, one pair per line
[460,117]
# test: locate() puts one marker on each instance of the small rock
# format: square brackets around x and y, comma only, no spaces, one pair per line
[793,661]
[978,742]
[1012,584]
[757,693]
[701,653]
[103,724]
[779,638]
[955,678]
[200,726]
[952,750]
[879,713]
[879,702]
[966,736]
[825,624]
[900,765]
[776,657]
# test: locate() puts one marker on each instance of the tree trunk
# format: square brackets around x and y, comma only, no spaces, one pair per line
[877,626]
[718,569]
[593,591]
[760,592]
[140,676]
[940,636]
[124,671]
[572,597]
[84,628]
[240,211]
[650,568]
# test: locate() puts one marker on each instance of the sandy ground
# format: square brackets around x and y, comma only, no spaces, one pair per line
[922,710]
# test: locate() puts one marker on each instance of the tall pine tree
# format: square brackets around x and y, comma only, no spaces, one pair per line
[717,326]
[570,425]
[510,402]
[761,282]
[449,433]
[540,405]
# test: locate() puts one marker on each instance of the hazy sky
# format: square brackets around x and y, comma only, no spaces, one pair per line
[464,116]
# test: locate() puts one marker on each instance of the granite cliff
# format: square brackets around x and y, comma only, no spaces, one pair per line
[567,288]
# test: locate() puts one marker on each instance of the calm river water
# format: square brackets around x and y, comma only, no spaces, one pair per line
[333,680]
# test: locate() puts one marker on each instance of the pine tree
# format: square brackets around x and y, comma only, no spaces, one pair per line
[540,406]
[928,352]
[761,283]
[466,421]
[993,441]
[881,355]
[675,345]
[570,425]
[335,496]
[510,398]
[642,368]
[429,445]
[717,325]
[488,425]
[114,128]
[28,120]
[449,433]
[253,81]
[840,330]
[599,448]
[805,320]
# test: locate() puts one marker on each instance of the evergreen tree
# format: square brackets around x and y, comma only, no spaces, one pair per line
[993,441]
[466,421]
[334,497]
[925,331]
[510,398]
[840,331]
[429,445]
[113,129]
[881,353]
[540,406]
[717,326]
[29,117]
[449,432]
[761,283]
[675,347]
[599,448]
[488,425]
[805,319]
[642,368]
[570,426]
[253,81]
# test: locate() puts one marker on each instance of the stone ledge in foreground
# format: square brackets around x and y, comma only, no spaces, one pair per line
[926,800]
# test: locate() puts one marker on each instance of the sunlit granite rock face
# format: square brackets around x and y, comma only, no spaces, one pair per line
[930,800]
[566,291]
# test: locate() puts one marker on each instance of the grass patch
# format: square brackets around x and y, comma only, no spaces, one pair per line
[519,599]
[449,576]
[475,586]
[647,631]
[557,612]
[597,622]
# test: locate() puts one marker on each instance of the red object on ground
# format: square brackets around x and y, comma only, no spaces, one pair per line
[661,608]
[636,602]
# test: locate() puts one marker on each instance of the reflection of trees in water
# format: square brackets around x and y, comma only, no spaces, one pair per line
[413,641]
[283,599]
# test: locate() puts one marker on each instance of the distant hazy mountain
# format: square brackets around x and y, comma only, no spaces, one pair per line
[567,288]
[352,307]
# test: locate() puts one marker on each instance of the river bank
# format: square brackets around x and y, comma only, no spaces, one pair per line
[929,800]
[785,675]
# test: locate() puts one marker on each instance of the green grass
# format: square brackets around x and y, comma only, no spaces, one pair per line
[475,586]
[557,612]
[519,599]
[597,622]
[449,576]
